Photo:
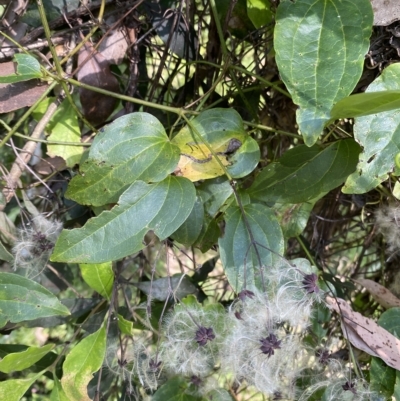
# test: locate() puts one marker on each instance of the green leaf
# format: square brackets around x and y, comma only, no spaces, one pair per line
[223,131]
[380,137]
[259,12]
[219,394]
[23,299]
[174,390]
[209,234]
[125,326]
[5,255]
[390,320]
[23,360]
[382,378]
[239,24]
[303,174]
[84,359]
[320,48]
[100,277]
[13,390]
[28,68]
[58,393]
[132,147]
[64,127]
[214,194]
[364,104]
[293,218]
[238,256]
[161,207]
[189,231]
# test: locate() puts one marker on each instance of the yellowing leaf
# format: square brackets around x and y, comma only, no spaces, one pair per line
[80,364]
[222,131]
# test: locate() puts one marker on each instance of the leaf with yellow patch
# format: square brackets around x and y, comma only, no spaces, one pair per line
[222,131]
[85,359]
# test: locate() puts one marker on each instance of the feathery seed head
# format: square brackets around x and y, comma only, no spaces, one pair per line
[258,349]
[192,336]
[388,222]
[35,243]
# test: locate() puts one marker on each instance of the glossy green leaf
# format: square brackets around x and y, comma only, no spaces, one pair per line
[239,258]
[259,12]
[83,360]
[304,173]
[161,207]
[14,389]
[22,360]
[379,135]
[28,68]
[100,277]
[188,232]
[174,390]
[64,127]
[132,147]
[214,194]
[320,48]
[221,130]
[23,299]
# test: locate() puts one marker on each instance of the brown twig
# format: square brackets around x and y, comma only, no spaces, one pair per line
[20,163]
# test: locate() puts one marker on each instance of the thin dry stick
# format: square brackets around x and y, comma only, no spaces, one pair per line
[27,166]
[50,267]
[20,163]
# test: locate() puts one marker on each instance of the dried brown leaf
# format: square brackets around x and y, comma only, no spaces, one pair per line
[18,94]
[94,70]
[365,334]
[385,11]
[114,46]
[381,294]
[50,165]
